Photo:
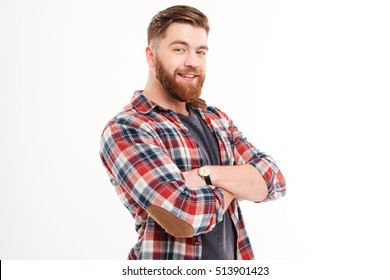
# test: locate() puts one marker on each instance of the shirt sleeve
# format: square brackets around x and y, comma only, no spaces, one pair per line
[134,158]
[246,153]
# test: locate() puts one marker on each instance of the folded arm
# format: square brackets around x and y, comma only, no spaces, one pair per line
[243,182]
[135,160]
[254,175]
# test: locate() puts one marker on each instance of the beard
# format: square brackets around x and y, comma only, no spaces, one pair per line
[184,92]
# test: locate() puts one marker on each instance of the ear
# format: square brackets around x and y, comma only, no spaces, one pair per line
[150,57]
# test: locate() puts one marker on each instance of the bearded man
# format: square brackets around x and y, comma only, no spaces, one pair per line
[180,166]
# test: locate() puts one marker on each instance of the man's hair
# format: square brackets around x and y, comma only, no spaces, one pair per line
[181,14]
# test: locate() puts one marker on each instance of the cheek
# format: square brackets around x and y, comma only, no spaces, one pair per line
[203,68]
[171,65]
[174,61]
[203,63]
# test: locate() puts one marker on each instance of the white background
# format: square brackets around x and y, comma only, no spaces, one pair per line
[306,81]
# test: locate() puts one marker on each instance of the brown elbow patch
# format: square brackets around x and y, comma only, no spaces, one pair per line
[170,223]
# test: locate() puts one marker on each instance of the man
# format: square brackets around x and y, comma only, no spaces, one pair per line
[178,165]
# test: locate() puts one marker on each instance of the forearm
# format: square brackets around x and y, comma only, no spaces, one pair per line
[241,181]
[244,181]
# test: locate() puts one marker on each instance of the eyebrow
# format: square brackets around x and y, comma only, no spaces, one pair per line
[205,47]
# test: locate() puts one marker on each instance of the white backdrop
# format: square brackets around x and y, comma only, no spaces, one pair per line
[306,81]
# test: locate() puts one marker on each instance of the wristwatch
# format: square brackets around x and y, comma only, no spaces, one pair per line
[204,172]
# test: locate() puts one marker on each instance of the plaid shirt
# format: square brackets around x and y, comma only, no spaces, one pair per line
[145,149]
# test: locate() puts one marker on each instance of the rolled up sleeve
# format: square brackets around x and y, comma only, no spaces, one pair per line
[247,153]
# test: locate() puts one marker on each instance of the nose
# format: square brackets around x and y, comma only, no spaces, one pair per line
[192,61]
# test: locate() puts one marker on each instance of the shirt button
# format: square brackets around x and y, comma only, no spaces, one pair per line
[197,243]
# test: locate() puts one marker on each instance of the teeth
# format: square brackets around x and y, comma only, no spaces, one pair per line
[189,76]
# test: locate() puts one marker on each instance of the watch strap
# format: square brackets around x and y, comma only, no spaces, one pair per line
[208,180]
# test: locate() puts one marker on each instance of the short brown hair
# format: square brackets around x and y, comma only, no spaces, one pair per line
[180,13]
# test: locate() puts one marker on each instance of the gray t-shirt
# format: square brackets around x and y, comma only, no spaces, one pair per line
[220,243]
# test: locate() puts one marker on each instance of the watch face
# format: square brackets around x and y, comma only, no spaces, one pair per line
[203,171]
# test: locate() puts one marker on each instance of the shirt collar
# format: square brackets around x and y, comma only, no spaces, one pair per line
[140,103]
[143,105]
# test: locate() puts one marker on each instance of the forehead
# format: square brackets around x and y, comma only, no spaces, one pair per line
[193,36]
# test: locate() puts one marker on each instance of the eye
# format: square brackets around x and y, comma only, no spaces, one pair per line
[202,53]
[179,50]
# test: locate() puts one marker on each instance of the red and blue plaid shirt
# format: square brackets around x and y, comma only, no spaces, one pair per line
[145,149]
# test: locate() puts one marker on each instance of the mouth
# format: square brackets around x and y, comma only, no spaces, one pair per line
[188,77]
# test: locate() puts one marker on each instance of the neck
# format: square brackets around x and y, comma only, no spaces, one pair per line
[155,92]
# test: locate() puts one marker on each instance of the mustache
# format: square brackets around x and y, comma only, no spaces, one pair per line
[189,71]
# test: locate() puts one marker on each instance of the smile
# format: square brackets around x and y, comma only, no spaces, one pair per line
[188,77]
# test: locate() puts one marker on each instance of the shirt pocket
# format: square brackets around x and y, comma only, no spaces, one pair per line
[226,146]
[179,148]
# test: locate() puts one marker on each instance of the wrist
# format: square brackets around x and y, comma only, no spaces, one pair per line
[205,173]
